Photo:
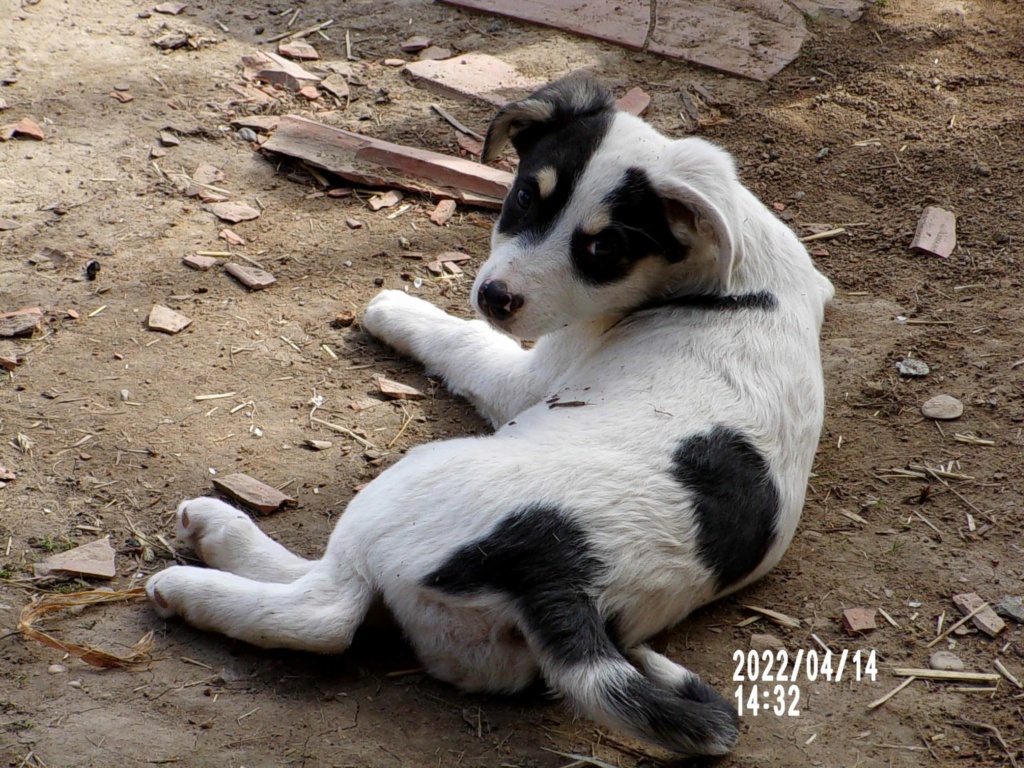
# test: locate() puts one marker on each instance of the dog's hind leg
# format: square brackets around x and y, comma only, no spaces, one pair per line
[226,538]
[488,368]
[318,612]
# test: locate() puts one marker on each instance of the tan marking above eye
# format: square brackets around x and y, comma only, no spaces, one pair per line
[595,221]
[547,178]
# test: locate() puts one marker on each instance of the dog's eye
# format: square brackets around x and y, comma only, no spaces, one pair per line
[601,247]
[523,198]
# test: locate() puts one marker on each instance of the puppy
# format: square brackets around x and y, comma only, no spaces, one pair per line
[650,453]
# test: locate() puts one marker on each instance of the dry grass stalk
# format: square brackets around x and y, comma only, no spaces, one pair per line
[40,607]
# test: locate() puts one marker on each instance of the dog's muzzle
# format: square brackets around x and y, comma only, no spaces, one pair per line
[497,301]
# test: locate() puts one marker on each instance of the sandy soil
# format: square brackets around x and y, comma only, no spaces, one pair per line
[919,103]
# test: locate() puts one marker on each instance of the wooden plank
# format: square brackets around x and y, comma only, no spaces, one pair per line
[374,162]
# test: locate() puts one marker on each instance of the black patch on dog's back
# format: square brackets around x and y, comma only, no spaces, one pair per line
[736,502]
[541,559]
[762,300]
[638,228]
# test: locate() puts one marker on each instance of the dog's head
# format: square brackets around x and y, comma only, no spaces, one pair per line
[604,215]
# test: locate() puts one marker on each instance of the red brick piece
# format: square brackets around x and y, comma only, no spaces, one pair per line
[857,620]
[252,493]
[986,619]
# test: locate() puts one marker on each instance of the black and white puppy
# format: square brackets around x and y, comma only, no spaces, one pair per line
[651,451]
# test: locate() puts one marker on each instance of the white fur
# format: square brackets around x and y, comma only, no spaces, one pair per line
[647,383]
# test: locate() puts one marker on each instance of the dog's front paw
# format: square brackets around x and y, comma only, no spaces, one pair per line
[396,318]
[166,590]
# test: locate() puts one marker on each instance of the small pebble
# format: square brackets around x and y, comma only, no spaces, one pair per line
[125,395]
[56,669]
[913,368]
[247,134]
[75,683]
[945,660]
[943,408]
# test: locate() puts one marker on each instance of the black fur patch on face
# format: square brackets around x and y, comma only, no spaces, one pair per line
[736,502]
[763,300]
[637,228]
[565,143]
[540,559]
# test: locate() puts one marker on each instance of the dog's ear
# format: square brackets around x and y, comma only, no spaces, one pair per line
[525,122]
[699,188]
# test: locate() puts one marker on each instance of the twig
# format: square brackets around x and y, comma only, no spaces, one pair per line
[991,729]
[1006,673]
[301,33]
[455,122]
[826,235]
[942,674]
[879,702]
[929,524]
[344,431]
[958,624]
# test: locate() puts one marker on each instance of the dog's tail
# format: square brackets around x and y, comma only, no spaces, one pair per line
[652,698]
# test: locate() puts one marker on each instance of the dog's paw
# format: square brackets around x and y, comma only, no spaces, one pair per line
[165,590]
[219,534]
[395,318]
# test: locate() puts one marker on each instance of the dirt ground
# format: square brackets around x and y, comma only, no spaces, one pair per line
[921,102]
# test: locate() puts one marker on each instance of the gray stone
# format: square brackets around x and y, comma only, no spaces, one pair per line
[763,642]
[913,368]
[943,408]
[946,660]
[1011,608]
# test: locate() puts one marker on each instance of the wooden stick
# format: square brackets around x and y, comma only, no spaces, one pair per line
[454,122]
[345,431]
[879,702]
[302,32]
[941,674]
[1006,673]
[960,623]
[823,235]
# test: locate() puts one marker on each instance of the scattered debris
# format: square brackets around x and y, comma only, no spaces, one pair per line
[1011,608]
[353,224]
[6,225]
[434,53]
[8,364]
[337,86]
[366,160]
[936,232]
[6,474]
[171,9]
[443,212]
[635,102]
[253,278]
[309,92]
[779,618]
[397,391]
[277,70]
[765,642]
[452,269]
[121,96]
[317,445]
[416,43]
[394,62]
[468,144]
[912,368]
[1006,673]
[21,322]
[168,139]
[24,127]
[754,40]
[92,269]
[475,76]
[858,620]
[138,654]
[942,408]
[983,617]
[94,560]
[365,404]
[946,661]
[165,319]
[297,49]
[344,319]
[259,123]
[232,237]
[386,200]
[233,212]
[252,493]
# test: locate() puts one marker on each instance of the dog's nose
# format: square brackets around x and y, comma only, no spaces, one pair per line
[497,301]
